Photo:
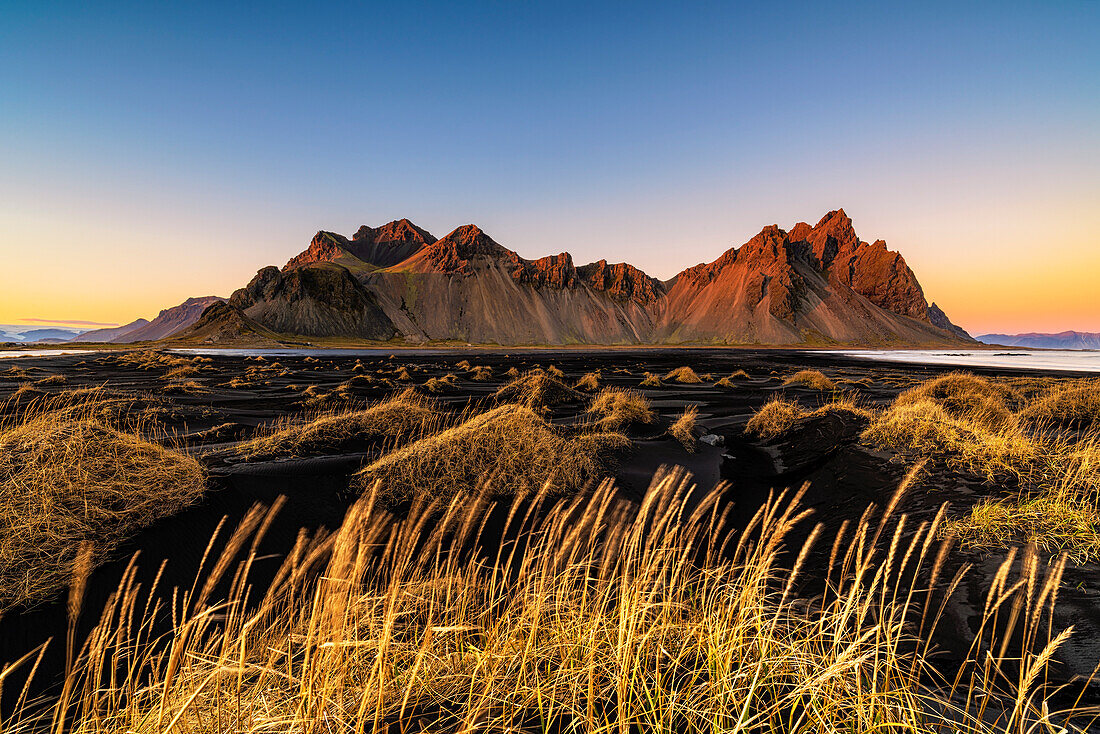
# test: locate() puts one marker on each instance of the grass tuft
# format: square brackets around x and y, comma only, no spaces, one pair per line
[683,428]
[537,390]
[397,419]
[812,379]
[68,479]
[510,448]
[684,375]
[619,408]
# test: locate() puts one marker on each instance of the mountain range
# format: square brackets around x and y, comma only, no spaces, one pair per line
[1062,340]
[811,285]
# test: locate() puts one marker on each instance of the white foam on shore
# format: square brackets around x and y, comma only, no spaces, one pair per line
[1047,360]
[14,353]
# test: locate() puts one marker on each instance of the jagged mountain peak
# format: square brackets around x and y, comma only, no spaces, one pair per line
[817,283]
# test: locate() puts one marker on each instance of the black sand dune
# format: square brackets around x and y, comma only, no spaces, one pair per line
[229,397]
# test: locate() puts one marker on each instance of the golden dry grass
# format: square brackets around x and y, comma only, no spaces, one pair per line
[393,421]
[538,389]
[774,418]
[51,380]
[480,373]
[974,399]
[1053,523]
[510,447]
[683,428]
[183,387]
[617,408]
[446,383]
[15,373]
[649,379]
[617,618]
[778,415]
[684,375]
[589,382]
[996,429]
[926,429]
[68,479]
[1073,403]
[812,379]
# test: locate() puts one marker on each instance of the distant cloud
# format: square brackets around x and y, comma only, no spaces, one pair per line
[68,322]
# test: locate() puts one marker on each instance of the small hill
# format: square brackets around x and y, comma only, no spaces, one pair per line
[224,325]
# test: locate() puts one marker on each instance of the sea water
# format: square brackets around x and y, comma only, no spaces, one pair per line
[1047,360]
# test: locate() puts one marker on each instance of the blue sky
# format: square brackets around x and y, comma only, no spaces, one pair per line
[155,151]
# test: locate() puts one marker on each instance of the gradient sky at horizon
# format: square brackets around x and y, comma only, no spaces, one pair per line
[154,151]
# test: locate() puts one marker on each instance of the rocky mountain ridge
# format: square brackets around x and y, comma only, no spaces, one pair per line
[816,284]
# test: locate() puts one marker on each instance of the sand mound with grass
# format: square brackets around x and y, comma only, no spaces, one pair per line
[538,389]
[509,449]
[927,429]
[1076,403]
[617,408]
[68,480]
[683,429]
[967,397]
[589,382]
[774,418]
[811,379]
[777,416]
[684,375]
[394,421]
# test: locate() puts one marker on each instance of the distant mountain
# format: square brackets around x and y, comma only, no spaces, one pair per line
[113,334]
[812,285]
[1063,340]
[47,335]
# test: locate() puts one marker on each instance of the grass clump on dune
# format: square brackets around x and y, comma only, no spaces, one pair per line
[1052,522]
[67,479]
[650,379]
[396,420]
[480,373]
[589,382]
[538,389]
[683,428]
[684,375]
[617,408]
[511,449]
[926,429]
[970,398]
[446,383]
[812,379]
[1076,403]
[775,417]
[778,415]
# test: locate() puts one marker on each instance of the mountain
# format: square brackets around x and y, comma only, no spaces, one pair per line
[816,284]
[170,321]
[112,334]
[1062,340]
[52,336]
